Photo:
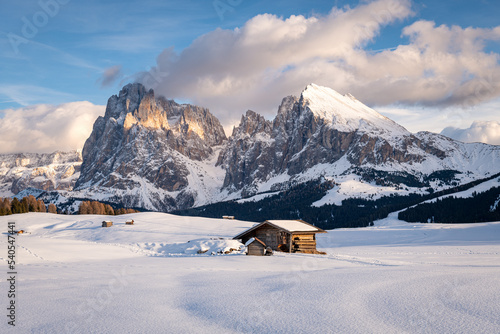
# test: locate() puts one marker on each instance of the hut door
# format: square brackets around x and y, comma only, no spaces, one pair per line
[282,238]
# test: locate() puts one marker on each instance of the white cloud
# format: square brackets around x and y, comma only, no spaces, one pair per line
[434,119]
[481,131]
[271,57]
[47,128]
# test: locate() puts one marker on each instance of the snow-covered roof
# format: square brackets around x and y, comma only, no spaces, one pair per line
[249,241]
[294,225]
[252,240]
[290,226]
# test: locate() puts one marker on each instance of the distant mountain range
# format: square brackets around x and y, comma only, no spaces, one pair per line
[152,153]
[47,172]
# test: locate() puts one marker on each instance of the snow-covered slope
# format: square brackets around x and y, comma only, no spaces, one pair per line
[77,277]
[469,193]
[201,182]
[346,114]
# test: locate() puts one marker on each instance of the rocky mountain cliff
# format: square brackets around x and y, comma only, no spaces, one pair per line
[325,133]
[54,171]
[153,153]
[149,152]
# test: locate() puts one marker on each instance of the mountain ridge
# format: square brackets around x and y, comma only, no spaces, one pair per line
[150,152]
[46,171]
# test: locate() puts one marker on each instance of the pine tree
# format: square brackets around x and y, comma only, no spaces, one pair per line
[84,208]
[32,204]
[3,211]
[6,204]
[109,210]
[97,208]
[25,206]
[52,208]
[41,206]
[16,206]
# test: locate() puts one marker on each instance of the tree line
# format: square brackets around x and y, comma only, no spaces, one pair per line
[296,203]
[98,208]
[11,206]
[483,207]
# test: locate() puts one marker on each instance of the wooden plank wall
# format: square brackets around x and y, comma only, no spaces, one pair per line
[269,236]
[304,243]
[255,248]
[272,237]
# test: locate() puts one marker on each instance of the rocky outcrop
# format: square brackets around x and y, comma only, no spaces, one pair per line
[140,146]
[323,127]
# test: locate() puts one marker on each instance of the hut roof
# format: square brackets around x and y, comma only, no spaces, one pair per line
[254,239]
[294,225]
[290,226]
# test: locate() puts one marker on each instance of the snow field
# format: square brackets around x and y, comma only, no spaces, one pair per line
[77,277]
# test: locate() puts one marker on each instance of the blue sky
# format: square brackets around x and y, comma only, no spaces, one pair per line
[62,51]
[66,58]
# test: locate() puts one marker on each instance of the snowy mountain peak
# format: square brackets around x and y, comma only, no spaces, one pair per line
[345,112]
[252,123]
[136,105]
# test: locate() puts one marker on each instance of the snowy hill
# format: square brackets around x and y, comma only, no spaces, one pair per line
[75,276]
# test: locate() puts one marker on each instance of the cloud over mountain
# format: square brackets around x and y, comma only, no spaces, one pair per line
[46,128]
[270,56]
[479,131]
[110,75]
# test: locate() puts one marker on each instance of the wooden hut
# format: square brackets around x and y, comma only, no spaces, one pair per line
[129,222]
[107,223]
[255,247]
[293,236]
